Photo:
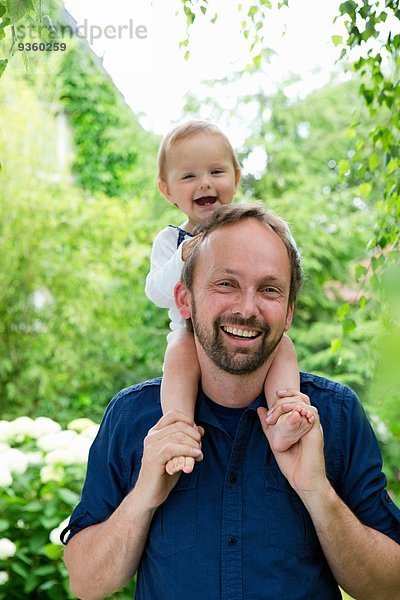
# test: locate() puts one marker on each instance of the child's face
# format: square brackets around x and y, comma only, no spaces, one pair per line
[200,176]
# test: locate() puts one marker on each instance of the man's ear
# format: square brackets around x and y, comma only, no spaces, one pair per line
[289,316]
[183,300]
[164,189]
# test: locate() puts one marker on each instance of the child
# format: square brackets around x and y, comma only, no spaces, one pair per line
[198,172]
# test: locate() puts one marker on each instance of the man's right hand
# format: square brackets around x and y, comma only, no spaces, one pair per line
[174,435]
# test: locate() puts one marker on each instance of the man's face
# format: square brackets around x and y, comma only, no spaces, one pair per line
[239,302]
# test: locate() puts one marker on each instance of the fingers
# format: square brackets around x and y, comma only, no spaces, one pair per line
[174,443]
[286,397]
[293,394]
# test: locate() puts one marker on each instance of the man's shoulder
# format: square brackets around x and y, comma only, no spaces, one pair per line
[326,392]
[324,385]
[133,398]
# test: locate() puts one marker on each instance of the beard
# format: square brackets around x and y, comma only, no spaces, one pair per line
[235,361]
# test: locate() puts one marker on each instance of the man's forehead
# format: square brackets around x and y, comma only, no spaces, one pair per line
[235,248]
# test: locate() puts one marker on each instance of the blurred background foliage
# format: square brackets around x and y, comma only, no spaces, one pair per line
[79,209]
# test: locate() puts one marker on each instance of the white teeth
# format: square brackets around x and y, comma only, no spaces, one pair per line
[240,332]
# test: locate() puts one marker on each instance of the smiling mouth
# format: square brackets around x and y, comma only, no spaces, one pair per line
[239,333]
[206,201]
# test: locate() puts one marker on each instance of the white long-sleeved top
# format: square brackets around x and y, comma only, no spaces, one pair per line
[166,266]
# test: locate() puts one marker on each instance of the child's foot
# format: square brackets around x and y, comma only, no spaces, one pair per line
[180,463]
[290,428]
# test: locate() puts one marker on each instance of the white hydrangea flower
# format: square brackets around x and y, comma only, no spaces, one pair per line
[22,427]
[52,473]
[91,432]
[5,477]
[60,456]
[7,548]
[3,577]
[381,428]
[6,431]
[34,458]
[44,426]
[55,533]
[53,441]
[81,450]
[80,425]
[14,460]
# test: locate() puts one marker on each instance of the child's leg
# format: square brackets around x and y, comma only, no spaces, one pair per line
[284,374]
[180,385]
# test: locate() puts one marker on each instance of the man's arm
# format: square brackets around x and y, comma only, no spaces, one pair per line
[364,562]
[102,558]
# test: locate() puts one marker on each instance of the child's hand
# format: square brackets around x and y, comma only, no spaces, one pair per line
[188,246]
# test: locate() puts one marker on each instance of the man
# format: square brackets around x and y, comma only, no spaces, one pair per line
[248,522]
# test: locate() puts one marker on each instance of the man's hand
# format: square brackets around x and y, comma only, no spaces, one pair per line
[302,464]
[174,435]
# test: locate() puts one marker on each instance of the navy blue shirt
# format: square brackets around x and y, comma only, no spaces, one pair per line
[234,529]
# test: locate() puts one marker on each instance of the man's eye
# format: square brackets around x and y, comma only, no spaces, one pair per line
[224,284]
[270,290]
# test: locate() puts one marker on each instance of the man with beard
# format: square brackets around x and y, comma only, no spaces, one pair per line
[249,522]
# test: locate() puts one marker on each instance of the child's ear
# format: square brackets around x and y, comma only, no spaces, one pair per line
[182,300]
[164,189]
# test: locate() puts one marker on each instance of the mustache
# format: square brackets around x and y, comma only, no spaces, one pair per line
[251,322]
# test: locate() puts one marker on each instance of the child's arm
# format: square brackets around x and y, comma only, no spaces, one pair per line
[284,371]
[180,384]
[181,376]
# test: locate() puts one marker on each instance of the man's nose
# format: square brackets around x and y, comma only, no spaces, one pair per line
[246,305]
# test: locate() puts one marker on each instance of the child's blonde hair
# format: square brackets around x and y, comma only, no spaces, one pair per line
[184,132]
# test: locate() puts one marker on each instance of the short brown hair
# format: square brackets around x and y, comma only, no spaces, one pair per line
[184,132]
[231,214]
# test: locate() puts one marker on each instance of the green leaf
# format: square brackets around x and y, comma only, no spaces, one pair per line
[337,40]
[374,161]
[203,9]
[343,311]
[3,64]
[19,8]
[336,345]
[348,8]
[68,496]
[364,190]
[2,9]
[343,167]
[348,326]
[360,271]
[4,525]
[52,551]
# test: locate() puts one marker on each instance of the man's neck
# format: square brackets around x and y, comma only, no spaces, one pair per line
[235,391]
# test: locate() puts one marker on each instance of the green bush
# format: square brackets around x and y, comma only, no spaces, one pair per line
[42,469]
[41,474]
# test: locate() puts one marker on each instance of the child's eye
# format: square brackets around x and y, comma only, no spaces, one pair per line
[217,172]
[188,176]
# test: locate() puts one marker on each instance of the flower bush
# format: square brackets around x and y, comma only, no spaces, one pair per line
[42,468]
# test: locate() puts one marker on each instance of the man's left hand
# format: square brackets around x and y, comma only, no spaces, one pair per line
[303,464]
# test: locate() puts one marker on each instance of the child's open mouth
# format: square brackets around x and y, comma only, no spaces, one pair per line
[206,200]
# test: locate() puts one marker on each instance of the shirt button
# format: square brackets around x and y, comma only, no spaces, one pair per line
[232,541]
[233,478]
